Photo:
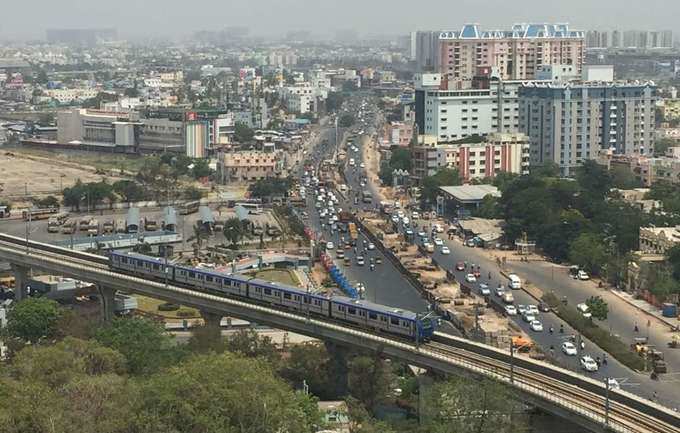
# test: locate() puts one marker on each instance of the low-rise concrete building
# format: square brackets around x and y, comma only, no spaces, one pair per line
[658,240]
[248,166]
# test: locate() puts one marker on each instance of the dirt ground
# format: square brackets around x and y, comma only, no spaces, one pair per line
[22,175]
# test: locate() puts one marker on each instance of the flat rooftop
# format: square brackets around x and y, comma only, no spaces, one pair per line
[470,193]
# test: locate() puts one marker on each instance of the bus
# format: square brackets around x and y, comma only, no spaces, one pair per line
[252,207]
[39,214]
[189,207]
[69,227]
[367,197]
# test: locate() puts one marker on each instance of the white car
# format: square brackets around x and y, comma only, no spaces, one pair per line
[536,326]
[446,250]
[470,278]
[362,165]
[406,221]
[569,348]
[510,310]
[484,289]
[422,234]
[522,308]
[584,310]
[583,275]
[395,218]
[588,363]
[613,383]
[533,309]
[415,215]
[371,246]
[438,242]
[330,246]
[528,317]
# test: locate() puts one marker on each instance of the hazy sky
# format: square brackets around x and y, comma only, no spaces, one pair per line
[29,18]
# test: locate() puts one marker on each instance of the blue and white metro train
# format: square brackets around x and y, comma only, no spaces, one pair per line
[358,312]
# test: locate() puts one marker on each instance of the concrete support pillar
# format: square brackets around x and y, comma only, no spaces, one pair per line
[340,373]
[107,298]
[20,281]
[211,323]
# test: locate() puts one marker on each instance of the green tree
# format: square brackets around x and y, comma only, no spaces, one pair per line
[489,208]
[588,252]
[664,287]
[234,230]
[129,190]
[456,405]
[249,343]
[144,343]
[400,159]
[201,168]
[548,169]
[270,187]
[594,179]
[228,393]
[243,133]
[310,363]
[48,202]
[444,177]
[349,86]
[661,145]
[598,307]
[346,120]
[33,319]
[192,193]
[369,380]
[334,101]
[673,258]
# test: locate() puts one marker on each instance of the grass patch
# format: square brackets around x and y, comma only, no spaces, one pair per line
[282,276]
[589,329]
[155,306]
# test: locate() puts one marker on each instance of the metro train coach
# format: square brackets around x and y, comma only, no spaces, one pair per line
[359,312]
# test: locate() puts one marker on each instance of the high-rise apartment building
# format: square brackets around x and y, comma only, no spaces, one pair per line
[517,53]
[424,50]
[570,123]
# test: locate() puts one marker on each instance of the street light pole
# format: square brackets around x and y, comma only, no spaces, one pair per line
[512,362]
[606,402]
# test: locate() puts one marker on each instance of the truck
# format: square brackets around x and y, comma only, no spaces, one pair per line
[352,228]
[345,216]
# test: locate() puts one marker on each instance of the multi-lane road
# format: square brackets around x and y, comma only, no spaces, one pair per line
[386,285]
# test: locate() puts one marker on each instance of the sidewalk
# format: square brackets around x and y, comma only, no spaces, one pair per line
[646,308]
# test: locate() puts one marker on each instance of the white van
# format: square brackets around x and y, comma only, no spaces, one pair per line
[515,282]
[351,162]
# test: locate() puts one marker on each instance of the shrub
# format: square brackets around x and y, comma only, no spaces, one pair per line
[168,307]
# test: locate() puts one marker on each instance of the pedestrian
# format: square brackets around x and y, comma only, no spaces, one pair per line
[636,329]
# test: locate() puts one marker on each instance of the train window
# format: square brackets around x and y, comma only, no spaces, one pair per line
[209,279]
[394,321]
[362,313]
[306,299]
[192,275]
[372,316]
[383,319]
[267,291]
[352,311]
[124,260]
[156,267]
[258,290]
[296,297]
[286,296]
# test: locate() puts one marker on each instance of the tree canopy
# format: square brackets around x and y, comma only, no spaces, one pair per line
[243,133]
[33,319]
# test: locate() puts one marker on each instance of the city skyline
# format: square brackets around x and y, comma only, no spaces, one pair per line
[276,18]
